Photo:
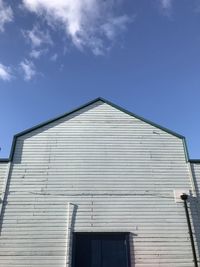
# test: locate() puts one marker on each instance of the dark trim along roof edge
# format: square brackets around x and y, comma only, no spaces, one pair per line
[194,160]
[88,104]
[5,160]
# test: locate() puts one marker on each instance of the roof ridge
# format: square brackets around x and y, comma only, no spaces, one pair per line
[81,107]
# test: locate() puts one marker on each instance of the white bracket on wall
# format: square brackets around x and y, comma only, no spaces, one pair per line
[178,193]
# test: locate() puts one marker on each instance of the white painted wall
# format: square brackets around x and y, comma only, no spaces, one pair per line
[196,173]
[195,205]
[119,171]
[3,171]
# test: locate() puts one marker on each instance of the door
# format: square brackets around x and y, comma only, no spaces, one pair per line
[101,250]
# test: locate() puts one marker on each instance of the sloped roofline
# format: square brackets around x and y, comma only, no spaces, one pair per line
[86,105]
[195,161]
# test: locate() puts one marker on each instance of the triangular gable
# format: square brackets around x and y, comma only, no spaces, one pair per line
[84,106]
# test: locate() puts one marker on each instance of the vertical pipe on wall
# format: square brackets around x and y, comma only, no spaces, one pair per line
[184,197]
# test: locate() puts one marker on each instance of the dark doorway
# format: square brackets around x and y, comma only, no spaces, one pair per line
[101,250]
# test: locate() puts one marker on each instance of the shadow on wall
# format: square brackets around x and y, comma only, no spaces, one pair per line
[72,227]
[131,249]
[194,210]
[194,206]
[5,201]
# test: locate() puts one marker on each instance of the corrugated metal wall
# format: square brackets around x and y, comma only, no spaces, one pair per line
[118,172]
[196,173]
[3,171]
[195,205]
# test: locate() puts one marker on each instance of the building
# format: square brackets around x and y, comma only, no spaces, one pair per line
[99,187]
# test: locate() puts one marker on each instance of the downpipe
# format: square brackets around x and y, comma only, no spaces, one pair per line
[184,197]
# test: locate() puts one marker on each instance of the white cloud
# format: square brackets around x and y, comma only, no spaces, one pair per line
[28,69]
[113,25]
[37,37]
[6,15]
[166,4]
[37,53]
[54,57]
[5,73]
[88,23]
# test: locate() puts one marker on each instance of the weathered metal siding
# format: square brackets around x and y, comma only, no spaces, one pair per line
[196,173]
[119,173]
[195,203]
[3,171]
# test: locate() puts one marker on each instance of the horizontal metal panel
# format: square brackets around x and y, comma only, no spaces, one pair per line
[3,169]
[117,170]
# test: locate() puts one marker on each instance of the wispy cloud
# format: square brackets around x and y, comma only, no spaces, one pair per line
[6,15]
[37,37]
[36,54]
[114,25]
[89,24]
[54,57]
[28,69]
[166,5]
[197,7]
[5,73]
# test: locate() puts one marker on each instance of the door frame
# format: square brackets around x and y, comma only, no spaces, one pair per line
[126,238]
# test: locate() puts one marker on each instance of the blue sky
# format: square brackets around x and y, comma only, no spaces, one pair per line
[143,55]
